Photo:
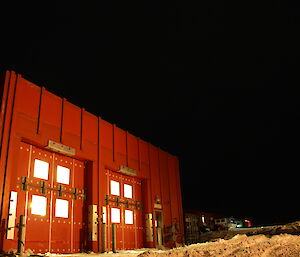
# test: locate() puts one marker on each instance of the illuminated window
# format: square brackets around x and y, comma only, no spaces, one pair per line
[63,175]
[41,169]
[127,191]
[61,208]
[39,205]
[128,217]
[114,187]
[115,215]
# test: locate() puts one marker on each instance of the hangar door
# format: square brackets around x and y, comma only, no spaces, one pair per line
[49,191]
[124,209]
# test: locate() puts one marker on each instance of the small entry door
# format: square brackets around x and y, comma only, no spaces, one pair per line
[159,228]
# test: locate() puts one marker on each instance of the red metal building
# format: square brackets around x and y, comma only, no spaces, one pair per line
[73,175]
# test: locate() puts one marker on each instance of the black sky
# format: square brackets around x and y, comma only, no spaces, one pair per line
[214,82]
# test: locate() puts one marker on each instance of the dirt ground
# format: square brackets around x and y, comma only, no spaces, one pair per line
[270,241]
[238,246]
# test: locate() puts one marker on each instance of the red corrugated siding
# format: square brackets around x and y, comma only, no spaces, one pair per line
[90,129]
[27,104]
[120,146]
[165,188]
[144,159]
[133,152]
[106,142]
[50,116]
[28,99]
[71,125]
[154,172]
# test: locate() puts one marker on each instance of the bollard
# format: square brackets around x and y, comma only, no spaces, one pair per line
[114,241]
[21,235]
[103,238]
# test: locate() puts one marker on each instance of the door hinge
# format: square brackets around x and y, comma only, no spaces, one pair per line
[59,191]
[75,193]
[24,184]
[43,187]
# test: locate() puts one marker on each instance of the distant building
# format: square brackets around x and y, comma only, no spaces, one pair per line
[74,176]
[197,222]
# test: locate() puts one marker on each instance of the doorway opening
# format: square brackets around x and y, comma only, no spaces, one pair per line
[159,228]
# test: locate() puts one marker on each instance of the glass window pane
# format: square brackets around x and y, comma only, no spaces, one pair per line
[61,208]
[115,215]
[128,217]
[114,187]
[41,169]
[127,191]
[39,205]
[63,175]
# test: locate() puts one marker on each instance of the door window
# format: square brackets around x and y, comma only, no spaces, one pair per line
[115,215]
[61,208]
[128,217]
[114,187]
[63,175]
[127,191]
[41,169]
[39,205]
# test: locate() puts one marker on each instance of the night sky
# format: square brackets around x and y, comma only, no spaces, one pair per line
[215,83]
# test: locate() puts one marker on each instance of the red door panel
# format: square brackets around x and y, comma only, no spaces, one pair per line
[129,229]
[38,205]
[138,215]
[78,207]
[62,205]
